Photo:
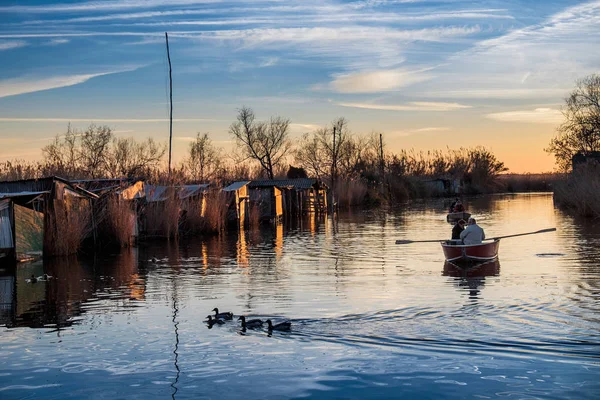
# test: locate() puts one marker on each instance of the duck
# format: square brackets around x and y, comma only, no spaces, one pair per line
[33,279]
[253,323]
[224,315]
[154,259]
[210,321]
[282,326]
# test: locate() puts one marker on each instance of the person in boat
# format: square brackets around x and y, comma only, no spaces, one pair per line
[457,229]
[453,204]
[473,233]
[458,207]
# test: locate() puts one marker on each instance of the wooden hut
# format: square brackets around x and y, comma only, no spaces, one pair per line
[237,198]
[266,197]
[66,208]
[168,207]
[116,211]
[299,196]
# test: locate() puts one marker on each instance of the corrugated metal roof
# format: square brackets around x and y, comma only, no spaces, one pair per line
[40,185]
[21,194]
[302,183]
[159,193]
[186,191]
[235,186]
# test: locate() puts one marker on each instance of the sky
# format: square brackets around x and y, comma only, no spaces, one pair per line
[426,74]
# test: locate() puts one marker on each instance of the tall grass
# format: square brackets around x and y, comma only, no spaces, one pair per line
[215,211]
[118,225]
[253,218]
[530,182]
[67,225]
[351,193]
[580,192]
[192,216]
[161,218]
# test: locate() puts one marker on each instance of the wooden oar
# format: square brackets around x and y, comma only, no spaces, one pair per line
[523,234]
[419,241]
[494,238]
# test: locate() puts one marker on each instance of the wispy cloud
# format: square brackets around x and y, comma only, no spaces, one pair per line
[376,81]
[410,132]
[56,42]
[125,120]
[537,61]
[102,6]
[412,106]
[536,116]
[431,129]
[22,85]
[11,44]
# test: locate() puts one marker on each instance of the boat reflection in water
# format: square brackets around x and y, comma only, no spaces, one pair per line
[471,275]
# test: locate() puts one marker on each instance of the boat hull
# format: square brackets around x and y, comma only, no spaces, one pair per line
[470,252]
[456,216]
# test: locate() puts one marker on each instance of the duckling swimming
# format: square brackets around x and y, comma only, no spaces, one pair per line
[224,315]
[253,323]
[282,326]
[210,321]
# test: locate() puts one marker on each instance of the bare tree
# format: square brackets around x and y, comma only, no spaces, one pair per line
[310,155]
[61,157]
[204,158]
[130,158]
[265,142]
[95,148]
[581,130]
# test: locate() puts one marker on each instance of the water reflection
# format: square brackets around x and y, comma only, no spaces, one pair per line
[471,276]
[74,286]
[369,318]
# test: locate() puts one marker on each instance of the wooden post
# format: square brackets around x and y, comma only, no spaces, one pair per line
[13,226]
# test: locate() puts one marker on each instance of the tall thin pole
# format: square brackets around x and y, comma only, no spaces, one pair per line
[381,159]
[333,171]
[171,104]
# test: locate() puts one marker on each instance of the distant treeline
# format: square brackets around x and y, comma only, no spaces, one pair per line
[358,168]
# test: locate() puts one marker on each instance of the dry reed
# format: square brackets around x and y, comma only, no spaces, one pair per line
[350,193]
[67,225]
[162,217]
[580,191]
[254,213]
[215,211]
[118,225]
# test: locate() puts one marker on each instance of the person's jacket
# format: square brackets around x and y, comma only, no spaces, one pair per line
[473,234]
[456,231]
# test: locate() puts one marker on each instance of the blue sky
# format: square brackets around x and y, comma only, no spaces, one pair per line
[426,74]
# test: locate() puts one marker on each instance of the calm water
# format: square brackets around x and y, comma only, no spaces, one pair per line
[370,319]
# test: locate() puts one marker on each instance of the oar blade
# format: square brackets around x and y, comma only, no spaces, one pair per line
[547,230]
[404,241]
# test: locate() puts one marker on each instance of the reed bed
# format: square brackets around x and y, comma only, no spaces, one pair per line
[161,218]
[254,213]
[67,225]
[580,191]
[530,182]
[118,222]
[215,211]
[351,193]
